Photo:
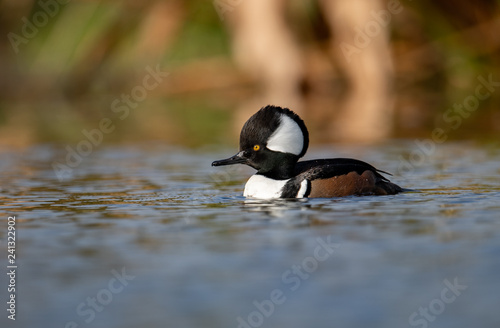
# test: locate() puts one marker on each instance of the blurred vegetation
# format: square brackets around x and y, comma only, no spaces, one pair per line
[63,75]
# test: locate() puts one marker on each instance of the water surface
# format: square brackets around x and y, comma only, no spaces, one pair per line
[153,236]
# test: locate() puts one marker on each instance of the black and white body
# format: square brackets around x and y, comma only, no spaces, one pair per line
[274,139]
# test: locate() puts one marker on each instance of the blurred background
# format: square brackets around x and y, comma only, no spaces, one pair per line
[191,72]
[163,87]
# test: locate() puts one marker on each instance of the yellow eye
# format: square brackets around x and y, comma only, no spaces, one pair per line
[256,147]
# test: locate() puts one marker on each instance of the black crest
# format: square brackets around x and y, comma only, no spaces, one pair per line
[259,128]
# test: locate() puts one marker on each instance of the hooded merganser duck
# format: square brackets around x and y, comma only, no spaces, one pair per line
[274,139]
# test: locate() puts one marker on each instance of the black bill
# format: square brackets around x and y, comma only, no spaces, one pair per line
[236,159]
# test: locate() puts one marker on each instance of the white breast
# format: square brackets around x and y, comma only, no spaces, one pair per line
[258,186]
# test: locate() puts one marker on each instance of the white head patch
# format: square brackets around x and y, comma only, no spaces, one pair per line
[287,138]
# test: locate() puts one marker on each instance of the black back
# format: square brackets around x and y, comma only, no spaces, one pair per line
[327,168]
